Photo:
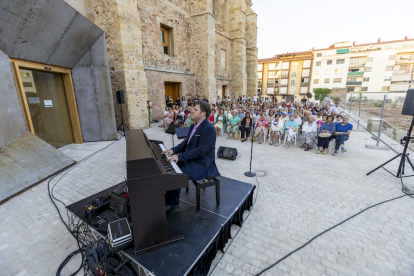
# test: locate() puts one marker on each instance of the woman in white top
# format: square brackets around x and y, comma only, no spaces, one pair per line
[276,127]
[183,102]
[298,119]
[309,131]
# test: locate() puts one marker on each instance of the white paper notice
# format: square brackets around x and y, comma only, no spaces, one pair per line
[48,103]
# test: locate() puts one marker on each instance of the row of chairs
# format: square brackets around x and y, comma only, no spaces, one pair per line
[331,143]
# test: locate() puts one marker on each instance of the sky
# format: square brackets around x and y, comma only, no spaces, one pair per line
[299,25]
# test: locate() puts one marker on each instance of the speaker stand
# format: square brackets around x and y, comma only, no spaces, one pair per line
[404,157]
[123,125]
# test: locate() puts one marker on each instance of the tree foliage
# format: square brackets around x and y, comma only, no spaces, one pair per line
[320,93]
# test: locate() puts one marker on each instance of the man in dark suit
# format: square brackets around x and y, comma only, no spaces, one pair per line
[196,154]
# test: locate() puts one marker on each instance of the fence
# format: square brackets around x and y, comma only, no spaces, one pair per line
[380,114]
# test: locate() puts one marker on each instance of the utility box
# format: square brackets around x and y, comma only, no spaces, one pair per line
[373,124]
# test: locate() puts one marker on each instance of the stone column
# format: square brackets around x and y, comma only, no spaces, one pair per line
[202,48]
[238,35]
[120,19]
[251,51]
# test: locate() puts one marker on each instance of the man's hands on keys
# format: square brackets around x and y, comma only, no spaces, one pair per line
[169,152]
[173,158]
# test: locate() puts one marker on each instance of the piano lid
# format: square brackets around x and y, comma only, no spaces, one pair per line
[138,146]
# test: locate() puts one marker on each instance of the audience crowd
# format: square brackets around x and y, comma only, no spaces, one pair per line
[310,124]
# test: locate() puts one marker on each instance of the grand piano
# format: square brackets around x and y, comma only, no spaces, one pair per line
[149,176]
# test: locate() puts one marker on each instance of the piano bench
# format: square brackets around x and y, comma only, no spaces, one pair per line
[211,182]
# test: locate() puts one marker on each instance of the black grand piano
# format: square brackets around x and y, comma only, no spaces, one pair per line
[150,175]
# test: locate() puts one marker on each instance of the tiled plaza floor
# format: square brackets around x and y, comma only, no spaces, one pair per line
[302,195]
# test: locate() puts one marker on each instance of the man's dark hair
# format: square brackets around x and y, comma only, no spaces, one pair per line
[204,107]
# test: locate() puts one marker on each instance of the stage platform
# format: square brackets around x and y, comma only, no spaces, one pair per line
[205,231]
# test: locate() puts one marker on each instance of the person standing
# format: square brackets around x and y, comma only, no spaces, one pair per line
[149,106]
[196,154]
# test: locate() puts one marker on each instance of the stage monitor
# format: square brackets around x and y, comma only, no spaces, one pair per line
[171,128]
[408,108]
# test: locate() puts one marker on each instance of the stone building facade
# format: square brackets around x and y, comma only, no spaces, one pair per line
[212,49]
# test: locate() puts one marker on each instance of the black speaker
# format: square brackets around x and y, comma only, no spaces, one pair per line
[227,153]
[120,98]
[408,108]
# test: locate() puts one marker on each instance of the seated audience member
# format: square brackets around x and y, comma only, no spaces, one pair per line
[309,131]
[328,108]
[291,128]
[227,112]
[246,126]
[270,117]
[276,127]
[240,113]
[290,111]
[179,118]
[169,118]
[321,121]
[325,132]
[166,111]
[284,117]
[233,125]
[221,121]
[256,115]
[261,126]
[188,122]
[318,108]
[298,119]
[212,117]
[334,114]
[183,102]
[337,109]
[342,132]
[337,119]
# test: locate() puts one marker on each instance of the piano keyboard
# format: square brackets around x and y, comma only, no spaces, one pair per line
[170,167]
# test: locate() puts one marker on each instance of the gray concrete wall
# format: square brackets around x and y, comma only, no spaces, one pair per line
[11,116]
[92,84]
[45,31]
[26,161]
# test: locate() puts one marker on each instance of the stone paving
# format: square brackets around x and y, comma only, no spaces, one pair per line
[302,195]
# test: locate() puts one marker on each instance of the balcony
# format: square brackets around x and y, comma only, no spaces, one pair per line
[399,87]
[401,60]
[283,92]
[356,73]
[357,64]
[405,77]
[304,84]
[354,83]
[401,72]
[411,81]
[285,76]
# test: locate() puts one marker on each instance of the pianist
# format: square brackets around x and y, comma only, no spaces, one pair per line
[196,154]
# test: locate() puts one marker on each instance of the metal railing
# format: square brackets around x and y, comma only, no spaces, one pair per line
[380,114]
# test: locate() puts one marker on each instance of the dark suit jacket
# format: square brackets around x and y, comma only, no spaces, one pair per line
[199,155]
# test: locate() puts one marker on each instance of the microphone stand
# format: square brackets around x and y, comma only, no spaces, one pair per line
[250,173]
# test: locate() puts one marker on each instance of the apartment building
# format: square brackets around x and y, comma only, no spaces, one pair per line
[374,67]
[285,76]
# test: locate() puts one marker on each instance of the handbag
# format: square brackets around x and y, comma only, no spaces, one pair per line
[236,135]
[324,135]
